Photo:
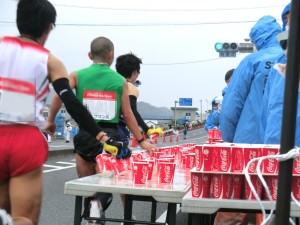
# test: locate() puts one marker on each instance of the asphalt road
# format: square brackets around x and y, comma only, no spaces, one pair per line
[58,209]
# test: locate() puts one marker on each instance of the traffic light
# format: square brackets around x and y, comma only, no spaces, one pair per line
[227,49]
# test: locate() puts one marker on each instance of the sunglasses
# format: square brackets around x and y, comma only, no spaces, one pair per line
[283,39]
[283,44]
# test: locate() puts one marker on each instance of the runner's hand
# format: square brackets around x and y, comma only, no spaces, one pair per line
[124,153]
[112,146]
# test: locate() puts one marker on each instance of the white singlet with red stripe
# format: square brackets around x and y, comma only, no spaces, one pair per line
[24,83]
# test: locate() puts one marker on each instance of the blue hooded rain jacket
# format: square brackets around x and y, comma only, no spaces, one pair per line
[271,116]
[241,108]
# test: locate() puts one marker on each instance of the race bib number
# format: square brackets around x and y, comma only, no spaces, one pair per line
[17,100]
[101,104]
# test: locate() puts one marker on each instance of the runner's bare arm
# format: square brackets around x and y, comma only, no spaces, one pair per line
[131,121]
[58,76]
[56,105]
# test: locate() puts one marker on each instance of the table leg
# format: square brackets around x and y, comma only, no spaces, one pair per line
[198,219]
[128,209]
[78,208]
[171,214]
[153,211]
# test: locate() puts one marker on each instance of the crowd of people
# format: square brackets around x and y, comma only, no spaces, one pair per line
[248,111]
[253,99]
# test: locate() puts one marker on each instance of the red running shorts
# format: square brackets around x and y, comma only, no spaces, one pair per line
[23,148]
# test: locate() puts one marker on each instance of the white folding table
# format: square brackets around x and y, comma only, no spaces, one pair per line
[197,207]
[167,193]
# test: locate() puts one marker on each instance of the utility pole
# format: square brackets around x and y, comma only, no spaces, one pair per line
[175,115]
[201,110]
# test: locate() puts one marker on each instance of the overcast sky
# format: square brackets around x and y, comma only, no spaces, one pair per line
[175,39]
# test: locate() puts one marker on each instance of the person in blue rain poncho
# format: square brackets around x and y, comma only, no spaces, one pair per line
[271,116]
[212,121]
[241,107]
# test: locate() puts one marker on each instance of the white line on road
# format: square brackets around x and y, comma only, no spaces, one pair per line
[68,163]
[57,167]
[62,168]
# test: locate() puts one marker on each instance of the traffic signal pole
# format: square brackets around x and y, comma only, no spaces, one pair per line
[289,117]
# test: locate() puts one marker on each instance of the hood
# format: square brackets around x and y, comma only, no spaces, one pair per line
[286,10]
[264,32]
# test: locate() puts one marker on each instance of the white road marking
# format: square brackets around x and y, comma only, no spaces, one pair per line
[57,146]
[68,163]
[63,168]
[57,168]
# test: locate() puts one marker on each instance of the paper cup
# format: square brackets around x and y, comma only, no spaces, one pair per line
[150,168]
[296,187]
[272,183]
[139,172]
[166,172]
[214,134]
[104,165]
[136,156]
[251,152]
[237,163]
[237,185]
[248,194]
[120,166]
[221,158]
[200,185]
[207,157]
[198,157]
[190,160]
[270,166]
[296,167]
[221,186]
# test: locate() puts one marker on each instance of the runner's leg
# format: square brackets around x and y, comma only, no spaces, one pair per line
[4,196]
[83,167]
[26,195]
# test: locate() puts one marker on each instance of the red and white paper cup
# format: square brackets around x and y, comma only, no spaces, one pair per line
[198,157]
[270,166]
[200,184]
[120,166]
[237,159]
[207,159]
[296,187]
[248,194]
[190,160]
[272,183]
[221,186]
[136,156]
[237,185]
[251,152]
[139,172]
[166,172]
[150,168]
[104,164]
[214,134]
[296,167]
[221,161]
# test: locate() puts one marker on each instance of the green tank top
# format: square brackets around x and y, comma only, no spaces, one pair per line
[100,90]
